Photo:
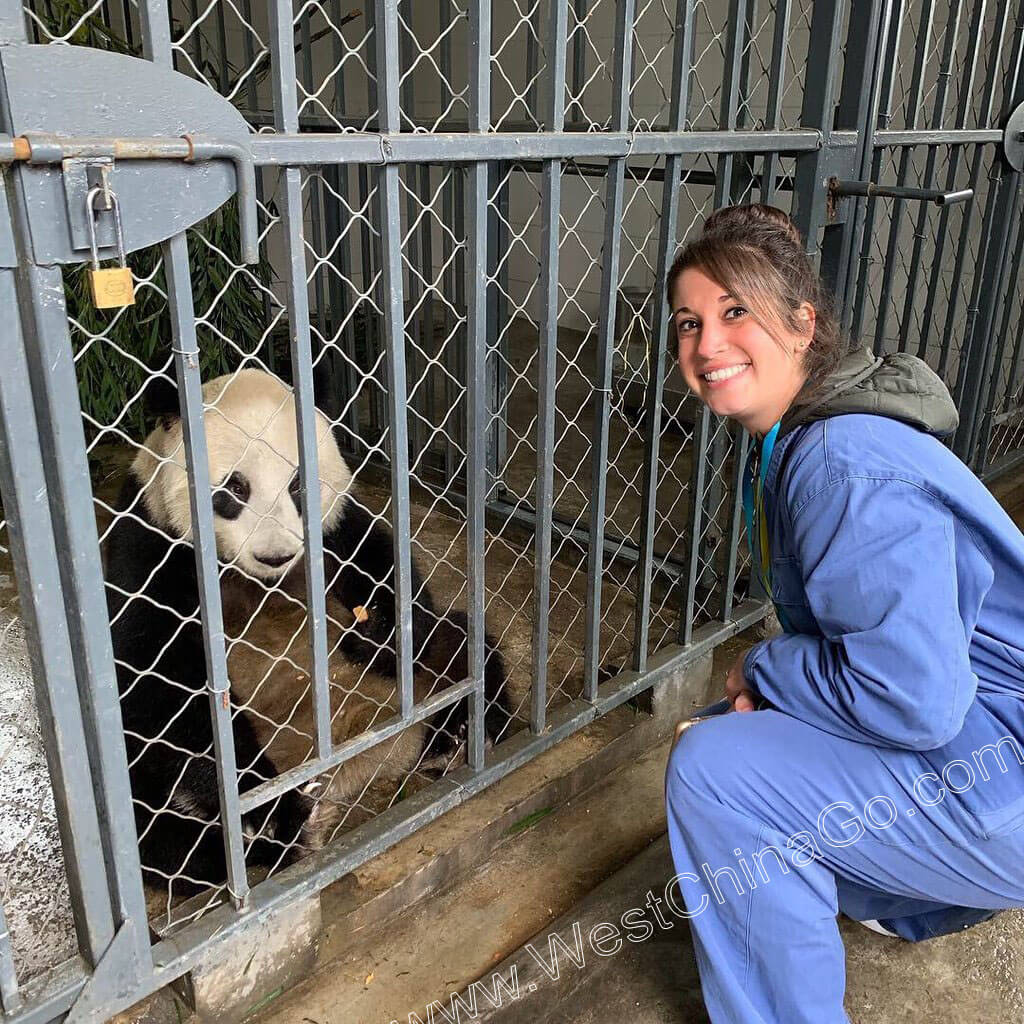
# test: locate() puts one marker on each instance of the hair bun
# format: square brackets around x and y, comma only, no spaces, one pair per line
[752,215]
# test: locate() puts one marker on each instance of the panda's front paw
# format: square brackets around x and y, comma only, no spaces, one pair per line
[276,830]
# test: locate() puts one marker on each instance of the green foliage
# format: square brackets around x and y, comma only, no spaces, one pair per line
[117,350]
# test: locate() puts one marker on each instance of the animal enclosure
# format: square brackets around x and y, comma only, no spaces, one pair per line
[438,233]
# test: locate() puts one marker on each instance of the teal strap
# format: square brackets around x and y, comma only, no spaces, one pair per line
[749,501]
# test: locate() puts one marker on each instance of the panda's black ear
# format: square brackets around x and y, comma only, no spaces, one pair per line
[160,400]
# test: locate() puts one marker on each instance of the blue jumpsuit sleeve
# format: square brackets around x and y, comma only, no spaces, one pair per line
[892,668]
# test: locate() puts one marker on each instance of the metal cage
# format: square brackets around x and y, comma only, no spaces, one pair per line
[459,220]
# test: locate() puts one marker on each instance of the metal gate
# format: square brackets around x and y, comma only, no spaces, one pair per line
[455,223]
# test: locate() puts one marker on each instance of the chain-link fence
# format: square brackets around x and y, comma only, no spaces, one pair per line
[451,342]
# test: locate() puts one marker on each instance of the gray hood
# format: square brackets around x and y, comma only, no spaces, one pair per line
[897,385]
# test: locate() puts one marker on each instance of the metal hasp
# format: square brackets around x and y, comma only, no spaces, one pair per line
[1013,139]
[838,189]
[174,150]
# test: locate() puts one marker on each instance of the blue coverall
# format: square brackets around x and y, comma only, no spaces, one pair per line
[889,782]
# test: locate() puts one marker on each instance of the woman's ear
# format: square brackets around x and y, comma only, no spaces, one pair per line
[806,315]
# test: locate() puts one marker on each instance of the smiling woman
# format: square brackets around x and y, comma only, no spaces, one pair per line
[897,577]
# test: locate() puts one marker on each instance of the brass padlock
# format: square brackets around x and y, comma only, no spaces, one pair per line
[111,287]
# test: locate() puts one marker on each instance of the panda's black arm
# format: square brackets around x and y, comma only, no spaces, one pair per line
[360,573]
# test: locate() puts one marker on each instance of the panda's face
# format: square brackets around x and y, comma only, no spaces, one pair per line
[253,451]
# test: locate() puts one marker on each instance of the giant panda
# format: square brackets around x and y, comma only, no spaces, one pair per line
[153,601]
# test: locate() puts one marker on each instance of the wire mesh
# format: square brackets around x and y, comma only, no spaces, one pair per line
[749,71]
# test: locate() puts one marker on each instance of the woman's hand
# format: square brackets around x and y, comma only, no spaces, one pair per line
[737,689]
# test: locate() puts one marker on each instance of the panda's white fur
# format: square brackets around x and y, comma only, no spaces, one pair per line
[250,428]
[253,447]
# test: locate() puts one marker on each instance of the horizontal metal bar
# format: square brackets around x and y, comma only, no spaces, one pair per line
[267,791]
[416,147]
[174,956]
[930,195]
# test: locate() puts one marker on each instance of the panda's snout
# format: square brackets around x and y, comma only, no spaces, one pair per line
[274,561]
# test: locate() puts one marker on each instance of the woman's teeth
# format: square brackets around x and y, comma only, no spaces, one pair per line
[729,371]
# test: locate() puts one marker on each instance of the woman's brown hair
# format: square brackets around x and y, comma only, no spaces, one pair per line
[756,254]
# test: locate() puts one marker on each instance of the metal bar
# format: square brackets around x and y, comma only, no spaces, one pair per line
[682,62]
[34,555]
[366,740]
[952,31]
[441,147]
[551,195]
[386,22]
[186,364]
[51,371]
[613,205]
[964,106]
[728,113]
[913,105]
[297,297]
[967,369]
[882,41]
[479,64]
[10,997]
[618,548]
[818,111]
[579,61]
[740,443]
[899,192]
[998,340]
[698,479]
[776,79]
[189,947]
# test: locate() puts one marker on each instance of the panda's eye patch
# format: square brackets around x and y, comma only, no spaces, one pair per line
[293,489]
[230,496]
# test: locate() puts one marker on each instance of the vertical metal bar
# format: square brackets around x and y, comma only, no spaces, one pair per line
[698,480]
[818,111]
[613,203]
[938,117]
[682,62]
[533,63]
[47,346]
[740,443]
[991,284]
[776,79]
[10,997]
[551,195]
[579,63]
[982,386]
[479,63]
[222,46]
[394,316]
[735,30]
[999,342]
[186,364]
[726,191]
[871,68]
[967,368]
[873,86]
[911,117]
[286,119]
[449,174]
[975,33]
[24,490]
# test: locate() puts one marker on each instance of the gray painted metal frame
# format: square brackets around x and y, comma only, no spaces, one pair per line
[42,448]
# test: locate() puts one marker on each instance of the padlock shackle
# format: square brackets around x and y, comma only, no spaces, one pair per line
[90,209]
